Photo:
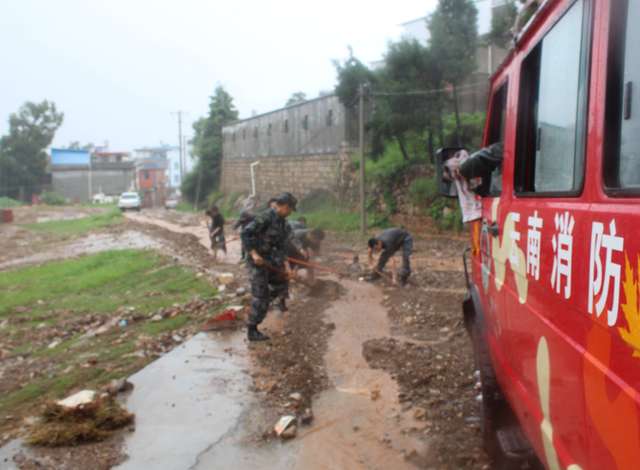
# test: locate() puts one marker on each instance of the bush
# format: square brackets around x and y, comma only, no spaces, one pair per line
[7,202]
[471,129]
[423,190]
[388,167]
[53,199]
[446,214]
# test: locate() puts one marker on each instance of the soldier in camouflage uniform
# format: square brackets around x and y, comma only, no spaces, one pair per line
[265,241]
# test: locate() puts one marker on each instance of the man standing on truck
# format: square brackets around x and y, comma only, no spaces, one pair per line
[265,241]
[387,244]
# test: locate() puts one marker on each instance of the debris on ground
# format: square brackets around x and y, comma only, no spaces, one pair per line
[283,424]
[80,418]
[117,386]
[231,318]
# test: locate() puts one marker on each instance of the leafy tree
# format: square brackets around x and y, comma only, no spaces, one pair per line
[76,145]
[207,146]
[351,74]
[297,97]
[410,104]
[454,37]
[23,159]
[502,23]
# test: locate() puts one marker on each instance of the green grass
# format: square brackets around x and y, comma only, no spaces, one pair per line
[7,203]
[78,226]
[340,220]
[185,207]
[98,284]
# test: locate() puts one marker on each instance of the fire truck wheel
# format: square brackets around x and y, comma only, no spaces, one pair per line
[492,405]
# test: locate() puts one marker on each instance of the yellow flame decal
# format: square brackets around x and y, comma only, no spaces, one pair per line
[631,310]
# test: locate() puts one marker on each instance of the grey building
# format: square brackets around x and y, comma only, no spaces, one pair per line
[315,127]
[79,183]
[300,148]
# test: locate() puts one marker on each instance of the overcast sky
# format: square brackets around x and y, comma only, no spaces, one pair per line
[118,68]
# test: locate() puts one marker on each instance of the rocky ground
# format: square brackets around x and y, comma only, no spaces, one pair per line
[426,352]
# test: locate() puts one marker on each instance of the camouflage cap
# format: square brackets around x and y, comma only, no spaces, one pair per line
[288,199]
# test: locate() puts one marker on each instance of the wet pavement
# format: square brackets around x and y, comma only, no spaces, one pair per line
[191,407]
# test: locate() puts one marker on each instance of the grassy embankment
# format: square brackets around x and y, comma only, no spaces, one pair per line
[42,313]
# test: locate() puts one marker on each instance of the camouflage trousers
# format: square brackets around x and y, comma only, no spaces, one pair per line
[266,286]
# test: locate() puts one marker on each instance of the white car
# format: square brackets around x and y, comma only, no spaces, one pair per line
[171,203]
[129,201]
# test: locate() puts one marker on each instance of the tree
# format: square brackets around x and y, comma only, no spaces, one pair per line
[351,74]
[297,97]
[23,159]
[502,23]
[454,37]
[411,106]
[207,146]
[76,145]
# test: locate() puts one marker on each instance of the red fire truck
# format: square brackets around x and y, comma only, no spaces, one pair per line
[553,270]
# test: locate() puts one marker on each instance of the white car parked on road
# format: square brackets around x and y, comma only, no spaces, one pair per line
[129,201]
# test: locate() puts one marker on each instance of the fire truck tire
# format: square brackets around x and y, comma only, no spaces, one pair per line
[492,405]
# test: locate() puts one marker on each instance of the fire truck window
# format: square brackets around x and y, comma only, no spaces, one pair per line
[496,133]
[622,167]
[550,147]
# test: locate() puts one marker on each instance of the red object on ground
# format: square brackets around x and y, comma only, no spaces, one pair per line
[230,318]
[7,216]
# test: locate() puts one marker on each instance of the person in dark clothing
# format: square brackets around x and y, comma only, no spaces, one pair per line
[265,240]
[216,231]
[387,244]
[245,218]
[299,224]
[302,243]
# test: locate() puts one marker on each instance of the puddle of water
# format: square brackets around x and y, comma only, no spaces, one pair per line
[91,244]
[359,422]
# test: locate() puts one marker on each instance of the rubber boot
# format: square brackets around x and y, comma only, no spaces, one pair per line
[254,335]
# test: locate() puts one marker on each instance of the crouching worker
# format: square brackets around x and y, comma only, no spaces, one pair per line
[302,244]
[265,241]
[387,244]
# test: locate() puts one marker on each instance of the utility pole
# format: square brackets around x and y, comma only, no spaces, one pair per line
[179,113]
[363,205]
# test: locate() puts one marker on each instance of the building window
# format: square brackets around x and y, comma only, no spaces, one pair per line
[285,127]
[146,174]
[330,118]
[553,108]
[305,122]
[622,115]
[269,129]
[255,132]
[233,137]
[244,134]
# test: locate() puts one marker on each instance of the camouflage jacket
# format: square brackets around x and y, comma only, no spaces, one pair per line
[268,234]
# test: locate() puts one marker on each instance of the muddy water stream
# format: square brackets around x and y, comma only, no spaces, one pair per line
[359,422]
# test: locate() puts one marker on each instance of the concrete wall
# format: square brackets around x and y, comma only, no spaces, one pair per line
[299,175]
[300,148]
[108,178]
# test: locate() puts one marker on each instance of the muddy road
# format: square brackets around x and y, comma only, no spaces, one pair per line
[386,372]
